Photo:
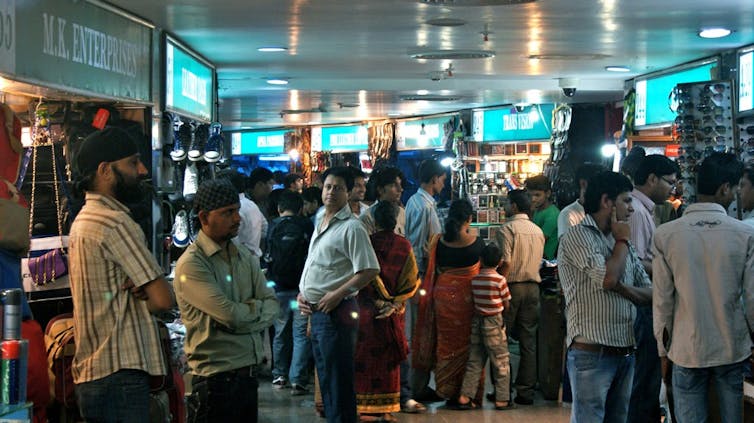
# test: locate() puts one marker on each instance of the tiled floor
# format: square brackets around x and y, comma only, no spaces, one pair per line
[278,406]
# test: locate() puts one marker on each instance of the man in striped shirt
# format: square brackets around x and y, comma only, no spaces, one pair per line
[115,284]
[491,297]
[523,244]
[602,280]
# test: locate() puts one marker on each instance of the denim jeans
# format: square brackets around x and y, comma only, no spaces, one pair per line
[291,348]
[122,397]
[334,344]
[601,386]
[645,393]
[690,394]
[302,351]
[227,397]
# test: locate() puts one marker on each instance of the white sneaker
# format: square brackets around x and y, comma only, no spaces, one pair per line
[190,182]
[181,230]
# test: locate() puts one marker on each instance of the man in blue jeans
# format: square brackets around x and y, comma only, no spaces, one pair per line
[341,261]
[602,281]
[287,247]
[703,303]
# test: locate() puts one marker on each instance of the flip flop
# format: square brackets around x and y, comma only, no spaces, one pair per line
[413,407]
[511,405]
[463,406]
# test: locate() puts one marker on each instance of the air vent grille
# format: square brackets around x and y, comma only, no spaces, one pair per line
[429,98]
[451,54]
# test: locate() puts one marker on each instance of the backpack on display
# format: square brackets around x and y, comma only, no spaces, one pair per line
[60,350]
[288,245]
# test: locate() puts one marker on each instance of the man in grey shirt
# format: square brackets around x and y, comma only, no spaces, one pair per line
[703,299]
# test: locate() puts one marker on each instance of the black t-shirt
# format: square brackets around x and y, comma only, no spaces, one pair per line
[459,256]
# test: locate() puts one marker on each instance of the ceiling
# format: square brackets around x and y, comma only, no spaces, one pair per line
[349,60]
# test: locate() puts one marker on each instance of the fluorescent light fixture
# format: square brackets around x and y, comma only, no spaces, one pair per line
[609,150]
[271,49]
[446,161]
[718,32]
[393,114]
[617,69]
[277,81]
[422,92]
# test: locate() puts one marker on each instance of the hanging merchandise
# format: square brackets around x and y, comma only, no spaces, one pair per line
[704,125]
[13,207]
[52,264]
[559,147]
[381,135]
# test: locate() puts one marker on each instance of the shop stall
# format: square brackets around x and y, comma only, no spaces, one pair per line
[342,145]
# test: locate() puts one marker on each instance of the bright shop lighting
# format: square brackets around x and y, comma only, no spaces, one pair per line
[609,150]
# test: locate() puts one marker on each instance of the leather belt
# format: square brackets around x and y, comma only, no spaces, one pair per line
[603,349]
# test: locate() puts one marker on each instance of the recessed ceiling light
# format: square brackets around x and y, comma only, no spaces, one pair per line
[276,81]
[617,69]
[422,92]
[272,49]
[714,32]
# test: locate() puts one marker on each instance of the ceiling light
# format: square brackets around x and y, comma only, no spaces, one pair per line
[393,114]
[422,92]
[714,32]
[276,81]
[450,54]
[272,49]
[617,69]
[558,56]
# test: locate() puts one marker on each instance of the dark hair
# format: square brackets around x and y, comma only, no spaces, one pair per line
[237,179]
[312,194]
[716,170]
[632,161]
[356,172]
[290,201]
[654,163]
[260,174]
[386,215]
[520,197]
[459,212]
[748,172]
[428,169]
[381,177]
[346,173]
[538,183]
[491,255]
[290,179]
[611,183]
[272,202]
[587,170]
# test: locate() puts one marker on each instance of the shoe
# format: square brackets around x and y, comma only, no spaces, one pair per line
[297,389]
[176,184]
[190,182]
[214,146]
[199,138]
[413,407]
[181,230]
[428,395]
[193,225]
[523,401]
[279,383]
[181,139]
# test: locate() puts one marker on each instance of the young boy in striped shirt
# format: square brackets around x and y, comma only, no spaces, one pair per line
[488,340]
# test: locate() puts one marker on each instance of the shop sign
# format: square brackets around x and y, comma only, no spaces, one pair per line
[340,139]
[653,93]
[671,150]
[76,45]
[513,124]
[189,82]
[745,81]
[267,142]
[409,134]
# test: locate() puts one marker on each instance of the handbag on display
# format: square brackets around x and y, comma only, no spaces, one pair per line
[52,264]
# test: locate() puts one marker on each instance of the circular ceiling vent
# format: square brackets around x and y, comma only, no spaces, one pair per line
[451,54]
[429,98]
[449,22]
[474,2]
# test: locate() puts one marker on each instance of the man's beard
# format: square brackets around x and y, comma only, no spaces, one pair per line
[127,192]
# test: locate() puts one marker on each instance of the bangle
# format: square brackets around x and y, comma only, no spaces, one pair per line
[623,240]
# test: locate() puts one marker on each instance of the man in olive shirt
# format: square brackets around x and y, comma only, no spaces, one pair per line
[225,303]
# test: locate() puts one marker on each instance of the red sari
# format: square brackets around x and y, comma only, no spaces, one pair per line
[382,345]
[443,327]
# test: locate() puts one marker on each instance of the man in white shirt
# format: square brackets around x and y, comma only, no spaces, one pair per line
[573,213]
[703,295]
[254,224]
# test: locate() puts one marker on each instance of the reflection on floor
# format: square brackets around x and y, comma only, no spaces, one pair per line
[279,406]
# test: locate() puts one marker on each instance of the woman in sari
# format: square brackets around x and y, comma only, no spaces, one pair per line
[443,327]
[382,345]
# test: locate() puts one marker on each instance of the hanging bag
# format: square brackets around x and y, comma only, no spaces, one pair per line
[52,264]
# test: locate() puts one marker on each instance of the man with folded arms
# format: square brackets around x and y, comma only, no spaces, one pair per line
[602,280]
[225,303]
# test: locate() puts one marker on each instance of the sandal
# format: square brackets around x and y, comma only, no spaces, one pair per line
[413,407]
[511,405]
[463,406]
